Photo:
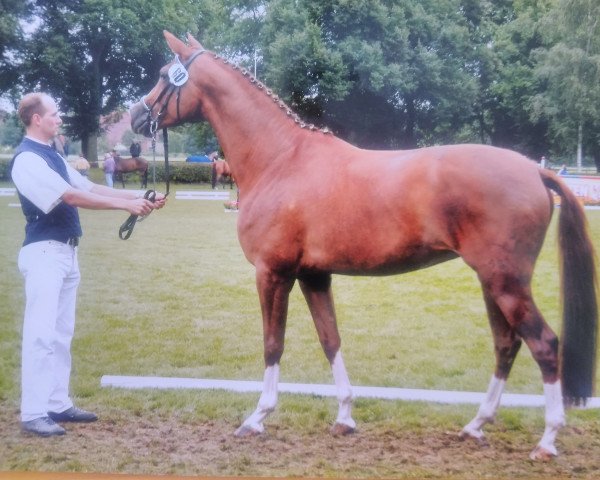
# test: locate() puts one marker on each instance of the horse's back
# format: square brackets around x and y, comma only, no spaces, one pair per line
[480,176]
[485,181]
[491,178]
[132,164]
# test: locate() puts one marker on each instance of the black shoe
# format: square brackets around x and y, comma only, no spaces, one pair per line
[43,426]
[73,414]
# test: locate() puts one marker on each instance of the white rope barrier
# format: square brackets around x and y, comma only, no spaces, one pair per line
[387,393]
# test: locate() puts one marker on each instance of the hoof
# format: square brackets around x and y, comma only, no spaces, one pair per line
[478,438]
[246,431]
[541,454]
[340,429]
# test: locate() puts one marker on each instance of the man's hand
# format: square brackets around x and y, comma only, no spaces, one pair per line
[140,207]
[159,200]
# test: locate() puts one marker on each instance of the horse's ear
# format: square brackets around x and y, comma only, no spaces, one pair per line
[192,42]
[176,45]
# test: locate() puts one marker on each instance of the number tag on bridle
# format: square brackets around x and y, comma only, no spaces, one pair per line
[178,75]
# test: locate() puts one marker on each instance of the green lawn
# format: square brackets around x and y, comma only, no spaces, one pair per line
[178,299]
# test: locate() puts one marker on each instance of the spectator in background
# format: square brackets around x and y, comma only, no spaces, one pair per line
[82,165]
[563,170]
[66,145]
[109,168]
[115,155]
[135,149]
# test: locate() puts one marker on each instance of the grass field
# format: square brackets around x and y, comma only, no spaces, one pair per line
[178,299]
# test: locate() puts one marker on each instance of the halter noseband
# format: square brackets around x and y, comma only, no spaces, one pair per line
[178,76]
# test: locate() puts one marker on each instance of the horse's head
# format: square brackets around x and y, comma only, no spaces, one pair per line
[172,101]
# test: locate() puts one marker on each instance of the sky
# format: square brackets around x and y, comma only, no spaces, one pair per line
[6,105]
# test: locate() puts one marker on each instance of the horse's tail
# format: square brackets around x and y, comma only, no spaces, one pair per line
[579,295]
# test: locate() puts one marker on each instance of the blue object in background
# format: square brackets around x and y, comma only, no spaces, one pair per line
[198,159]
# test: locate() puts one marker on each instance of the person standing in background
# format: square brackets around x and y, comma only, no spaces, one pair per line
[82,165]
[135,149]
[109,169]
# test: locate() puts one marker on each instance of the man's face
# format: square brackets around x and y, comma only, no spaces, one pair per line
[49,122]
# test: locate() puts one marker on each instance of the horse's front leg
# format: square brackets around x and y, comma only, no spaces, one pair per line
[317,291]
[273,291]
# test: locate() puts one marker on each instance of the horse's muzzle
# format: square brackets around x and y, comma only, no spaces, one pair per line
[139,119]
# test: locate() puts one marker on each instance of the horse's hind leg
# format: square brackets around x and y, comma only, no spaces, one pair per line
[317,291]
[506,345]
[511,293]
[273,291]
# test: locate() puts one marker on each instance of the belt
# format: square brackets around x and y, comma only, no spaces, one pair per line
[73,241]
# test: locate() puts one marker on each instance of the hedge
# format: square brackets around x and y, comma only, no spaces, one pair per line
[180,172]
[4,173]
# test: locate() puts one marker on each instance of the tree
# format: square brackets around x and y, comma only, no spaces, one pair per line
[233,29]
[380,73]
[508,82]
[95,55]
[11,37]
[569,70]
[11,130]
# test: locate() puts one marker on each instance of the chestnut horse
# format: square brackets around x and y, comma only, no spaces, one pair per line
[220,171]
[130,165]
[490,206]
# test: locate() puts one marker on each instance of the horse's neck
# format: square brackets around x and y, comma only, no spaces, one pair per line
[252,128]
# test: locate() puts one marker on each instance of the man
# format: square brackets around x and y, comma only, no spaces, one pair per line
[50,192]
[109,168]
[135,149]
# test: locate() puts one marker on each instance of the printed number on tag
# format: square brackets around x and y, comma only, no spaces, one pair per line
[178,75]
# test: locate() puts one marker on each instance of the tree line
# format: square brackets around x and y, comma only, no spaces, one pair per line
[521,74]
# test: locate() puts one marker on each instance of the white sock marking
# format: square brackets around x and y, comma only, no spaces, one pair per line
[344,391]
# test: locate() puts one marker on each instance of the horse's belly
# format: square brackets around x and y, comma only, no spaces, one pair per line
[369,261]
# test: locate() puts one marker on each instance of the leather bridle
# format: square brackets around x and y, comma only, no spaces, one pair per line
[178,76]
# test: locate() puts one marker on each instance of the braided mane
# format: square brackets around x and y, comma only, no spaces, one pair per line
[282,105]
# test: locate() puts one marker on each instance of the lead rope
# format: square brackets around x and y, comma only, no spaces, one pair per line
[166,149]
[177,78]
[126,229]
[154,158]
